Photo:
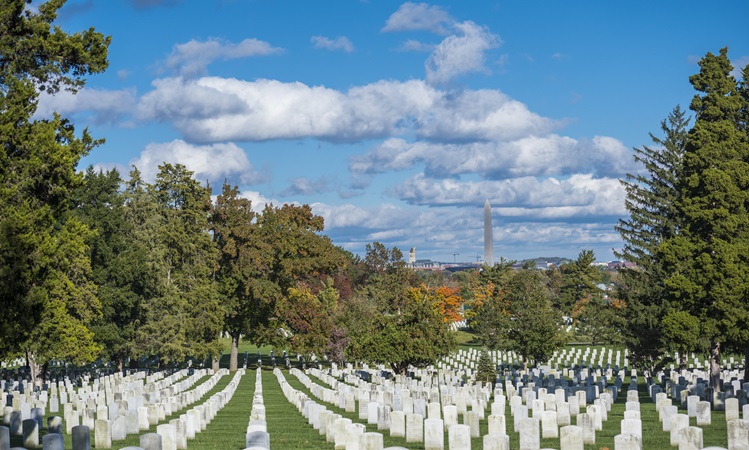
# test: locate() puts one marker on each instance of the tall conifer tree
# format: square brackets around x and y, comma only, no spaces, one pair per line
[707,262]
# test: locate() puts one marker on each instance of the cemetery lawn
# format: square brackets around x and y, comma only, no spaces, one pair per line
[227,429]
[287,427]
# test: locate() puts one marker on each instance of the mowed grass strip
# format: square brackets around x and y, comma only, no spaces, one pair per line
[287,427]
[228,429]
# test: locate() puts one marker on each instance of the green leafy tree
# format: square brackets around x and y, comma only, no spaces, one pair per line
[707,262]
[118,262]
[392,320]
[265,260]
[653,217]
[37,178]
[184,315]
[413,334]
[535,326]
[310,318]
[243,256]
[488,308]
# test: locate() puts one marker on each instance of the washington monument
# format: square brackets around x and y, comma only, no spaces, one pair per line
[488,238]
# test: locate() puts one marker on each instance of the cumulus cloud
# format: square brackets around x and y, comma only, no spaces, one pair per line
[341,43]
[738,66]
[259,201]
[306,186]
[191,58]
[577,195]
[213,109]
[460,53]
[441,231]
[412,45]
[209,162]
[542,156]
[418,17]
[103,105]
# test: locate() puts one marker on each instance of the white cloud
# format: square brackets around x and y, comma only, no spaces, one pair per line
[442,231]
[528,197]
[214,162]
[340,43]
[550,155]
[417,17]
[460,53]
[413,45]
[216,109]
[104,105]
[306,186]
[191,58]
[484,114]
[738,65]
[259,201]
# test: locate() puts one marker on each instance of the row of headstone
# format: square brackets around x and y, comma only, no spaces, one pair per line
[257,436]
[127,422]
[87,405]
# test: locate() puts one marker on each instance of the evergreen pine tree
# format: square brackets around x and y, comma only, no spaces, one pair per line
[707,262]
[651,196]
[486,371]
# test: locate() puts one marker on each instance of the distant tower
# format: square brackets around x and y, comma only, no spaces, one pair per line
[488,238]
[412,257]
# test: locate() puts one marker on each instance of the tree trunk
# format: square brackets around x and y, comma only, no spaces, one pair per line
[715,366]
[746,364]
[682,360]
[34,367]
[215,361]
[234,352]
[45,371]
[120,363]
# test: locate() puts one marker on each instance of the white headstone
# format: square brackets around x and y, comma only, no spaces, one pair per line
[493,441]
[434,434]
[168,434]
[678,423]
[627,441]
[571,438]
[703,413]
[738,434]
[690,438]
[549,427]
[459,437]
[102,434]
[414,428]
[530,438]
[497,424]
[397,424]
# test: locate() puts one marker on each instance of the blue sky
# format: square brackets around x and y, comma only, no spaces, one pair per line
[395,120]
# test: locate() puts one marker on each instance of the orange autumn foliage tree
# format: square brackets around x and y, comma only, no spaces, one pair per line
[450,303]
[445,300]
